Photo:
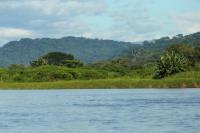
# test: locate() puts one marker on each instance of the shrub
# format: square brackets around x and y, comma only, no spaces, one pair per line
[38,62]
[72,63]
[18,77]
[169,64]
[185,50]
[16,67]
[49,73]
[93,74]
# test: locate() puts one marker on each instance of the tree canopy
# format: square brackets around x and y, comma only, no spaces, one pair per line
[57,59]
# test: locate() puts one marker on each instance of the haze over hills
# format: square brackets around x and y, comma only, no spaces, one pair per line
[87,50]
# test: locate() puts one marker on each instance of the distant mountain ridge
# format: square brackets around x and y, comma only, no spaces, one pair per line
[87,50]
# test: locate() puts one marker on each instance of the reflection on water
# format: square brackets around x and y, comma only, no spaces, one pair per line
[100,111]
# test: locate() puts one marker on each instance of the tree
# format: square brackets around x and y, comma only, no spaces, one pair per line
[56,58]
[170,63]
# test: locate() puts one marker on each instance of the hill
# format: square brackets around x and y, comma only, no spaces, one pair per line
[150,51]
[87,50]
[91,50]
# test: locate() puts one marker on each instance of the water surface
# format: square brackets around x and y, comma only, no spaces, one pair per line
[100,111]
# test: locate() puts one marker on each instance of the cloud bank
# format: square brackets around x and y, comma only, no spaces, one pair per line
[124,20]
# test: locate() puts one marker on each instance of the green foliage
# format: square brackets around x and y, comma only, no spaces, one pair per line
[145,71]
[90,50]
[197,54]
[52,58]
[84,49]
[56,58]
[16,67]
[52,73]
[72,63]
[93,74]
[185,50]
[170,63]
[116,66]
[137,61]
[150,51]
[39,62]
[120,68]
[180,82]
[47,73]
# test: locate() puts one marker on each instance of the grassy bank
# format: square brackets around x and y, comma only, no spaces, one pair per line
[105,83]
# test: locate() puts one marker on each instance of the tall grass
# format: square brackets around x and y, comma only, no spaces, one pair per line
[106,84]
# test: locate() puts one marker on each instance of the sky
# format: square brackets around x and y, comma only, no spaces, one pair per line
[122,20]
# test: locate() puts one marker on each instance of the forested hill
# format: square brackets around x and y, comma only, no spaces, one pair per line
[87,50]
[151,50]
[192,39]
[90,50]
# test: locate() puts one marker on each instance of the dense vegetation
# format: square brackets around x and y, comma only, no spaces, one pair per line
[172,65]
[57,59]
[150,51]
[91,50]
[53,67]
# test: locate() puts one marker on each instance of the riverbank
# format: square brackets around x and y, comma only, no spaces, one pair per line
[105,83]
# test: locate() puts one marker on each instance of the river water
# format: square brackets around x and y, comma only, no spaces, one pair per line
[100,111]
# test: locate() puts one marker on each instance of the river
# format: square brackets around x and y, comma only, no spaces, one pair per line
[100,111]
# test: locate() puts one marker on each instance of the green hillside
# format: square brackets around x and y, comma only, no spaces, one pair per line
[150,51]
[91,50]
[87,50]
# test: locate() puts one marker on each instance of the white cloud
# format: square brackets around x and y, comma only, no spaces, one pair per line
[188,22]
[10,34]
[57,7]
[128,20]
[14,33]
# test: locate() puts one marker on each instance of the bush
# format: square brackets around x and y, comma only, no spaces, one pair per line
[38,62]
[18,77]
[49,73]
[93,74]
[169,64]
[52,73]
[72,63]
[114,68]
[4,74]
[185,50]
[145,71]
[16,67]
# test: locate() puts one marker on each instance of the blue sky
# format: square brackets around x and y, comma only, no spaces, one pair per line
[124,20]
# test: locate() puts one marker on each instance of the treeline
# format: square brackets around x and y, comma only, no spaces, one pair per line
[56,66]
[51,67]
